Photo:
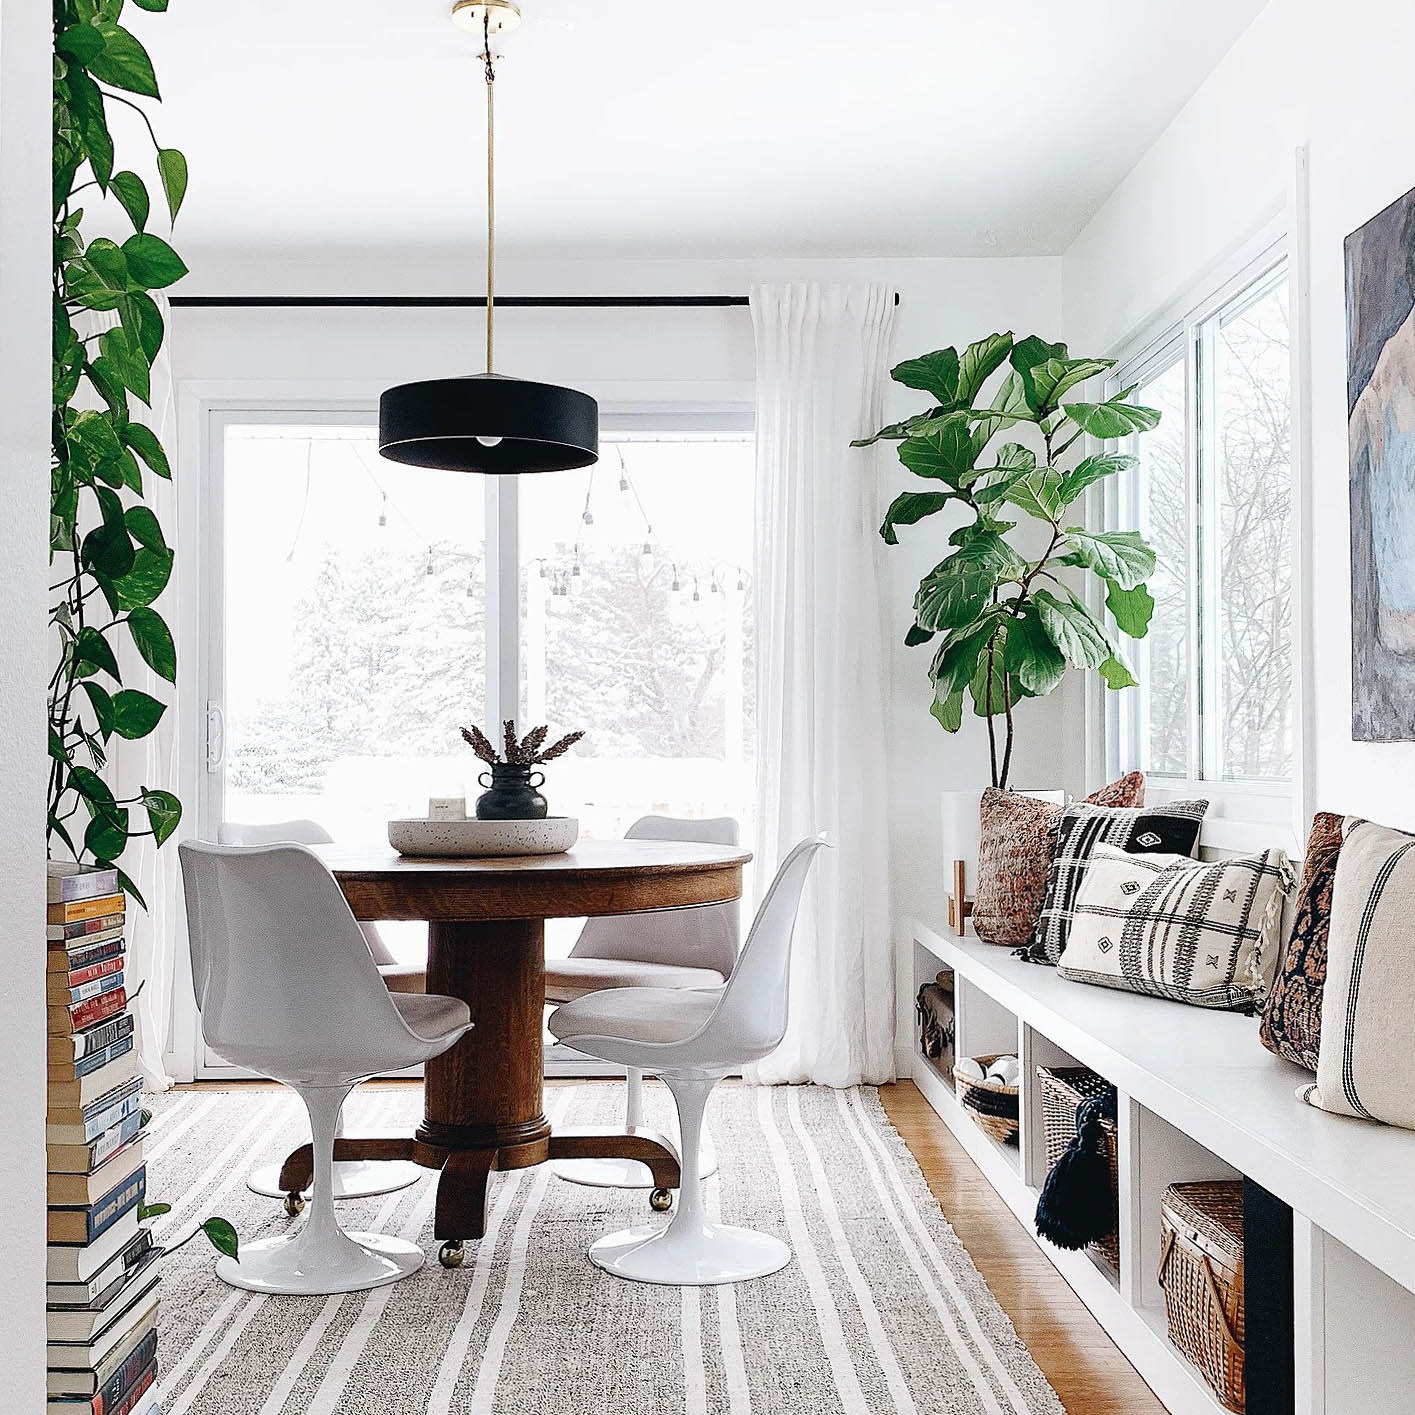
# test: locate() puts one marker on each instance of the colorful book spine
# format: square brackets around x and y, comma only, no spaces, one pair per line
[63,1050]
[76,1227]
[91,987]
[74,1017]
[77,909]
[99,1059]
[68,882]
[85,1158]
[84,928]
[85,955]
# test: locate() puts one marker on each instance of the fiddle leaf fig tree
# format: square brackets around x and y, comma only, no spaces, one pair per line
[1009,625]
[111,559]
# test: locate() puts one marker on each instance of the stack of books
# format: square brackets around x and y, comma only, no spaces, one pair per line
[103,1270]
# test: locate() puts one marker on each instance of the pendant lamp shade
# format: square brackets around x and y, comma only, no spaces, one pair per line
[488,423]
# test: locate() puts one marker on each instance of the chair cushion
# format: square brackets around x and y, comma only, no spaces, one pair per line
[569,978]
[635,1014]
[431,1015]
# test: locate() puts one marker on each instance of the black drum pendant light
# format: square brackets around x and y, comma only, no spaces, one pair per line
[487,422]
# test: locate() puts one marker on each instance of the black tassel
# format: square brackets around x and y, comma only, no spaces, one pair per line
[1076,1206]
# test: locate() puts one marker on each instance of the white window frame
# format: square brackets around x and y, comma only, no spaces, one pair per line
[1236,806]
[205,411]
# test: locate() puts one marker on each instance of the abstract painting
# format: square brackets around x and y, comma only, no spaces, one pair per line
[1380,393]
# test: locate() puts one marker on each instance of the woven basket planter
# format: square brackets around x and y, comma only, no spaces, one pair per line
[993,1107]
[1064,1089]
[1201,1273]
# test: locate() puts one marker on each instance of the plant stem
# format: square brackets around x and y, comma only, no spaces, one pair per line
[1007,754]
[987,704]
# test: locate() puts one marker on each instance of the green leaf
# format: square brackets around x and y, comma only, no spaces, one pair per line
[895,431]
[135,714]
[956,661]
[142,526]
[152,262]
[935,373]
[943,454]
[164,811]
[129,360]
[151,571]
[126,884]
[1131,609]
[1038,493]
[107,835]
[222,1236]
[1112,419]
[917,636]
[130,189]
[947,711]
[1119,556]
[144,442]
[1048,381]
[1073,629]
[910,507]
[952,593]
[143,321]
[91,787]
[107,548]
[87,105]
[123,62]
[156,5]
[80,43]
[988,687]
[1009,407]
[108,263]
[1013,463]
[1092,469]
[105,376]
[1117,674]
[1031,655]
[147,1211]
[102,703]
[978,364]
[154,642]
[91,647]
[172,167]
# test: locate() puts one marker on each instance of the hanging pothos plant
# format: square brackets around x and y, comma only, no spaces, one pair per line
[111,558]
[1011,624]
[106,545]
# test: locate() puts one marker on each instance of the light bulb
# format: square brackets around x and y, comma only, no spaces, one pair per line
[646,554]
[741,583]
[489,441]
[696,595]
[713,588]
[429,562]
[383,510]
[675,586]
[588,517]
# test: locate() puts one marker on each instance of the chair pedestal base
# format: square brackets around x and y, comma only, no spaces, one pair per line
[353,1179]
[337,1262]
[691,1255]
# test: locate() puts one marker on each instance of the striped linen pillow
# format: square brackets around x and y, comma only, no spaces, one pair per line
[1205,934]
[1365,1065]
[1171,829]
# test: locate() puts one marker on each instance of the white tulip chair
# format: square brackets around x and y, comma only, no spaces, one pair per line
[287,988]
[668,948]
[353,1179]
[692,1040]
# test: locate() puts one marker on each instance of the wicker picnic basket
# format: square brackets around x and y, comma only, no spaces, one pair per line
[1064,1089]
[1201,1273]
[994,1107]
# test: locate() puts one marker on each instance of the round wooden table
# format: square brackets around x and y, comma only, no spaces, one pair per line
[483,1107]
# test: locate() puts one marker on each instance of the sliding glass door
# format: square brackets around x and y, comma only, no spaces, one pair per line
[356,613]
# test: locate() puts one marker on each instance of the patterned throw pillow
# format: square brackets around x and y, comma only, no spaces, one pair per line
[1014,854]
[1205,934]
[1169,830]
[1366,1065]
[1292,1015]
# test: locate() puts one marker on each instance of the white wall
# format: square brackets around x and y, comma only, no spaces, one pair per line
[24,518]
[1337,79]
[660,355]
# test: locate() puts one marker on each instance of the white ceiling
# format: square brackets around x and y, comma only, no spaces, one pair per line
[658,128]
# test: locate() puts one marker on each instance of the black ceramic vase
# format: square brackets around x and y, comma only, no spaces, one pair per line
[511,794]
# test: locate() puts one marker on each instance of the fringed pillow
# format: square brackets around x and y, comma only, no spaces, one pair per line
[1205,934]
[1014,855]
[1292,1015]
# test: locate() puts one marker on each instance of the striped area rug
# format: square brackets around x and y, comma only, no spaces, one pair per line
[881,1310]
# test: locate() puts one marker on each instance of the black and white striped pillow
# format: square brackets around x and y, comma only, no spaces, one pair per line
[1205,934]
[1365,1065]
[1172,829]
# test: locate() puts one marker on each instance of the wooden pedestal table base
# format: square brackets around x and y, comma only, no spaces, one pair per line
[486,945]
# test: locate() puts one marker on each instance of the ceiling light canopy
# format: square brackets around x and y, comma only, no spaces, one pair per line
[488,422]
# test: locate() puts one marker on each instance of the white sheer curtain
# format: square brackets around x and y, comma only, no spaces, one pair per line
[152,760]
[822,354]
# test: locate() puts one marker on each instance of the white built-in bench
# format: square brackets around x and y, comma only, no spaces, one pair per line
[1200,1097]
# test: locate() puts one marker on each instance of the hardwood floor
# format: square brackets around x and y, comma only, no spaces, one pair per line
[1084,1367]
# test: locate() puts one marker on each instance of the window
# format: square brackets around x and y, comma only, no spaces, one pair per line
[1213,494]
[348,635]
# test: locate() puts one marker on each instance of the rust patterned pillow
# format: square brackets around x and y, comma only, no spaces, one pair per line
[1292,1017]
[1018,835]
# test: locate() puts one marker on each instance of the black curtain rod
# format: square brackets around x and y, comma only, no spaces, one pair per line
[459,301]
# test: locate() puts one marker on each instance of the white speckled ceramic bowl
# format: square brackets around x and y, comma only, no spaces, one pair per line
[475,839]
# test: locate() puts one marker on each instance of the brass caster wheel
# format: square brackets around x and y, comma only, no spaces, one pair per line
[451,1253]
[294,1204]
[661,1200]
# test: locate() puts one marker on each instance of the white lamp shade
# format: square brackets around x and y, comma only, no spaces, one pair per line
[961,829]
